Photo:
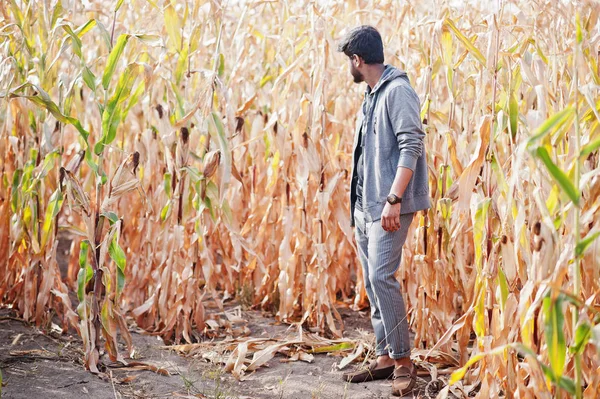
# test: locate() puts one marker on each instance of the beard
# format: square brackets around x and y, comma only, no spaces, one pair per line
[358,77]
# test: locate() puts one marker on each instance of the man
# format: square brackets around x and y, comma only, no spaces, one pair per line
[389,184]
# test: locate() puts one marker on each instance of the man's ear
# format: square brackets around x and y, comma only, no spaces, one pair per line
[356,60]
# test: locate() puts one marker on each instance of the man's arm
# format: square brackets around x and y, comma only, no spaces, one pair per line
[404,111]
[390,217]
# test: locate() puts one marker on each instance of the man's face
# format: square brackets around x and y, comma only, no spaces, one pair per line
[358,77]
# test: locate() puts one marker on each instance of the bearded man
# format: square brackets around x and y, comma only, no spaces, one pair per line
[389,184]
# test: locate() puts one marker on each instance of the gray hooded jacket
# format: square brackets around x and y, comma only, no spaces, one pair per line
[390,132]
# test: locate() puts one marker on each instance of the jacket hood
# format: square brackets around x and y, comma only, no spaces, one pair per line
[390,73]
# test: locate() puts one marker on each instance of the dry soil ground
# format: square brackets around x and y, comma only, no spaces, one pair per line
[35,364]
[47,365]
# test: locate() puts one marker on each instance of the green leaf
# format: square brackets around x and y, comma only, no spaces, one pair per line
[513,113]
[578,34]
[83,277]
[589,148]
[113,112]
[52,210]
[43,100]
[265,80]
[85,273]
[113,58]
[211,210]
[89,78]
[221,69]
[563,382]
[567,384]
[167,181]
[111,216]
[165,211]
[118,256]
[134,98]
[181,64]
[76,42]
[583,333]
[460,373]
[585,243]
[194,173]
[16,181]
[84,247]
[48,164]
[555,120]
[554,333]
[559,176]
[503,284]
[56,13]
[212,191]
[466,42]
[85,28]
[118,5]
[333,348]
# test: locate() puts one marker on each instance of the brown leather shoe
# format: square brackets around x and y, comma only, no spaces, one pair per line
[404,380]
[369,373]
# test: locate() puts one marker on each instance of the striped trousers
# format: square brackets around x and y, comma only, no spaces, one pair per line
[380,253]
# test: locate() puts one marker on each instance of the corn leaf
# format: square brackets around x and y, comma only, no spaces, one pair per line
[56,13]
[585,243]
[554,334]
[548,126]
[85,28]
[589,148]
[513,113]
[466,42]
[559,176]
[583,333]
[333,348]
[16,181]
[52,210]
[113,58]
[221,69]
[85,273]
[578,33]
[75,41]
[88,77]
[460,373]
[151,40]
[173,25]
[43,100]
[118,256]
[113,112]
[118,5]
[217,130]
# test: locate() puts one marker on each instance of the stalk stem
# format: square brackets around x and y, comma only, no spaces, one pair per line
[576,219]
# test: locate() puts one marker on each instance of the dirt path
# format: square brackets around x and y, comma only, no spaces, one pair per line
[38,365]
[47,365]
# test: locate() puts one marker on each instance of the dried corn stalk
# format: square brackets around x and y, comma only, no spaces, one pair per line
[242,117]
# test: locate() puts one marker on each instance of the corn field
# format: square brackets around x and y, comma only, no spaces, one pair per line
[201,150]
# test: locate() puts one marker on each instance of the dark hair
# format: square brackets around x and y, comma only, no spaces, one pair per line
[365,42]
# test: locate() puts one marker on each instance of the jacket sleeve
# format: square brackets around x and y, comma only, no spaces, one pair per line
[405,116]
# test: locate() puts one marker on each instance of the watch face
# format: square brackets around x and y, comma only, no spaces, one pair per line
[393,199]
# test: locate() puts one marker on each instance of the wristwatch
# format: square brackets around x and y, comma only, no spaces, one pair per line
[393,199]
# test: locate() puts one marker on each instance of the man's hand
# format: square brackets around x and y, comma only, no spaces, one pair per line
[390,217]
